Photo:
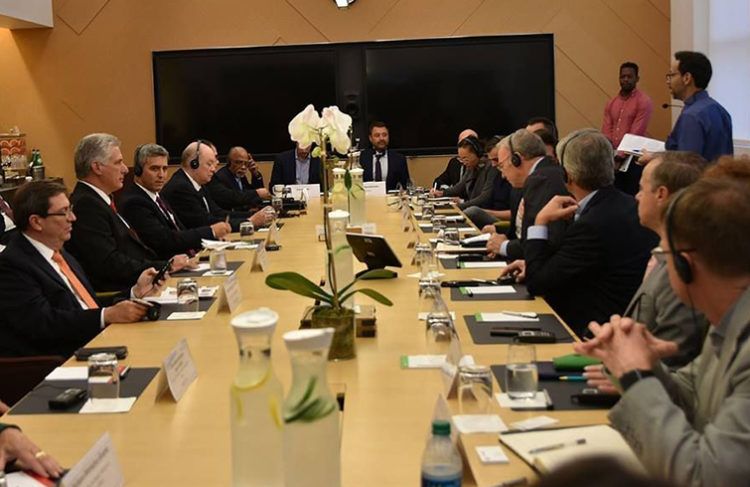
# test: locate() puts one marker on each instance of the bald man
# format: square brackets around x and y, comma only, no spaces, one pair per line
[455,169]
[234,175]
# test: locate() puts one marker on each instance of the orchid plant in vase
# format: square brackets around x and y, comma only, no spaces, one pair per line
[331,131]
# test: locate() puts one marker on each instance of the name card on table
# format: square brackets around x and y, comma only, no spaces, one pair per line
[260,260]
[178,371]
[98,467]
[299,189]
[230,296]
[374,188]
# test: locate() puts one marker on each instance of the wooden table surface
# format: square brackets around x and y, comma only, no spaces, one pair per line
[388,409]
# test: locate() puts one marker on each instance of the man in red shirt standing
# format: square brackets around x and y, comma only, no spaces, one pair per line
[627,113]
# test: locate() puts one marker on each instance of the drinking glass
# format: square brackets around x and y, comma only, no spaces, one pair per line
[104,378]
[218,261]
[474,389]
[424,258]
[247,229]
[521,375]
[438,223]
[187,294]
[450,236]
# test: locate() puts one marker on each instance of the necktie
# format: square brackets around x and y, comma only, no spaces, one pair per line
[165,209]
[79,288]
[239,183]
[5,208]
[519,219]
[378,167]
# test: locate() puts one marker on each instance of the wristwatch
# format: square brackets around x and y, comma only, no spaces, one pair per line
[631,377]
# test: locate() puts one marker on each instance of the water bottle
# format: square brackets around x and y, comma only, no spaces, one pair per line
[441,463]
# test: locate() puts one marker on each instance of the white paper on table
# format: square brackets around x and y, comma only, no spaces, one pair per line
[479,423]
[425,225]
[21,479]
[454,218]
[503,317]
[215,244]
[443,247]
[491,454]
[540,401]
[374,188]
[186,315]
[467,229]
[423,315]
[482,237]
[297,189]
[68,373]
[477,290]
[244,246]
[418,275]
[634,144]
[447,256]
[498,264]
[534,423]
[108,405]
[203,266]
[218,273]
[422,361]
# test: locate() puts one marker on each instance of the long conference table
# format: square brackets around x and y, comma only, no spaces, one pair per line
[388,410]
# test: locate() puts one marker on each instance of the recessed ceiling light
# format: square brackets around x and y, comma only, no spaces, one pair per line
[343,3]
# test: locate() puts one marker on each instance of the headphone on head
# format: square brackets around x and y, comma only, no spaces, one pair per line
[681,264]
[137,167]
[562,153]
[195,163]
[474,143]
[515,157]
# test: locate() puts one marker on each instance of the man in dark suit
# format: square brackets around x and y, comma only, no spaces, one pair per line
[381,163]
[7,225]
[192,203]
[599,263]
[152,217]
[454,170]
[528,169]
[109,249]
[230,188]
[295,166]
[47,305]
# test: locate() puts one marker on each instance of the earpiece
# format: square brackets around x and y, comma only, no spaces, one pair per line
[515,157]
[196,162]
[474,143]
[137,167]
[681,264]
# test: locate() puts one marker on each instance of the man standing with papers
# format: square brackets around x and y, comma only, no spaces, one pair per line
[692,425]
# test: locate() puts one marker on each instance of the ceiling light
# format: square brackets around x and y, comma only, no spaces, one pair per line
[343,3]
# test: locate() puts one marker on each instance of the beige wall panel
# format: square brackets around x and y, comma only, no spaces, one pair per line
[58,85]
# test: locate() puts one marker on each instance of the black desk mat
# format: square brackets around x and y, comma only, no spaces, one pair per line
[521,294]
[480,331]
[559,391]
[231,266]
[451,264]
[169,308]
[36,401]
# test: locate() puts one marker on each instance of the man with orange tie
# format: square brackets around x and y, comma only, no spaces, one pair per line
[108,248]
[47,306]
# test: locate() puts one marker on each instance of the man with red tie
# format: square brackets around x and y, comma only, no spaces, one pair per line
[151,216]
[47,305]
[103,241]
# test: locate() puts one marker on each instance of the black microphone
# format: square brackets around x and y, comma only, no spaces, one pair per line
[667,105]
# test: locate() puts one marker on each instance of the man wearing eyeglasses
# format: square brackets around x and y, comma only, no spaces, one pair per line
[234,175]
[47,305]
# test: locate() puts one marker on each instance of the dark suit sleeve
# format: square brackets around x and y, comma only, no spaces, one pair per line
[538,192]
[166,241]
[256,181]
[483,197]
[445,177]
[549,268]
[228,198]
[277,172]
[405,178]
[95,246]
[27,310]
[458,189]
[188,206]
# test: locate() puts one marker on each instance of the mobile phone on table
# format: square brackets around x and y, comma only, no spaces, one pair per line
[83,354]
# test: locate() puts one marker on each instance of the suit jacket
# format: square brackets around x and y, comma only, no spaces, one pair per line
[451,175]
[629,181]
[656,305]
[285,169]
[693,425]
[188,205]
[153,227]
[39,315]
[398,170]
[547,181]
[475,187]
[597,266]
[225,176]
[109,253]
[224,190]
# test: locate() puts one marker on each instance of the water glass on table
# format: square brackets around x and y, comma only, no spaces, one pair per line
[474,389]
[104,377]
[521,375]
[218,261]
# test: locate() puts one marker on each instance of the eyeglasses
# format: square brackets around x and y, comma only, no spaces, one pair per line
[660,254]
[240,162]
[671,74]
[64,212]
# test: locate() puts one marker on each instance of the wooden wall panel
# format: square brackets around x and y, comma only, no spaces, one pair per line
[92,71]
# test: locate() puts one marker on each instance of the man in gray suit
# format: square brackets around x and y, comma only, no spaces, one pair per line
[692,425]
[655,304]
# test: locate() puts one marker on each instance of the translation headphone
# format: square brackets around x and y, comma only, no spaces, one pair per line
[474,143]
[515,157]
[137,167]
[195,163]
[562,153]
[681,264]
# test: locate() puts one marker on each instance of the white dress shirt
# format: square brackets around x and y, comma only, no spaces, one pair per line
[198,188]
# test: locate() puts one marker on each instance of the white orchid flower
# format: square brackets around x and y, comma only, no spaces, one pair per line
[304,127]
[336,125]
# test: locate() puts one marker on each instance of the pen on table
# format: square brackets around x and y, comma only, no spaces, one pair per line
[557,446]
[522,314]
[512,482]
[572,378]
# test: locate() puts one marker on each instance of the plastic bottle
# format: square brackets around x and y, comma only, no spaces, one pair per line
[441,462]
